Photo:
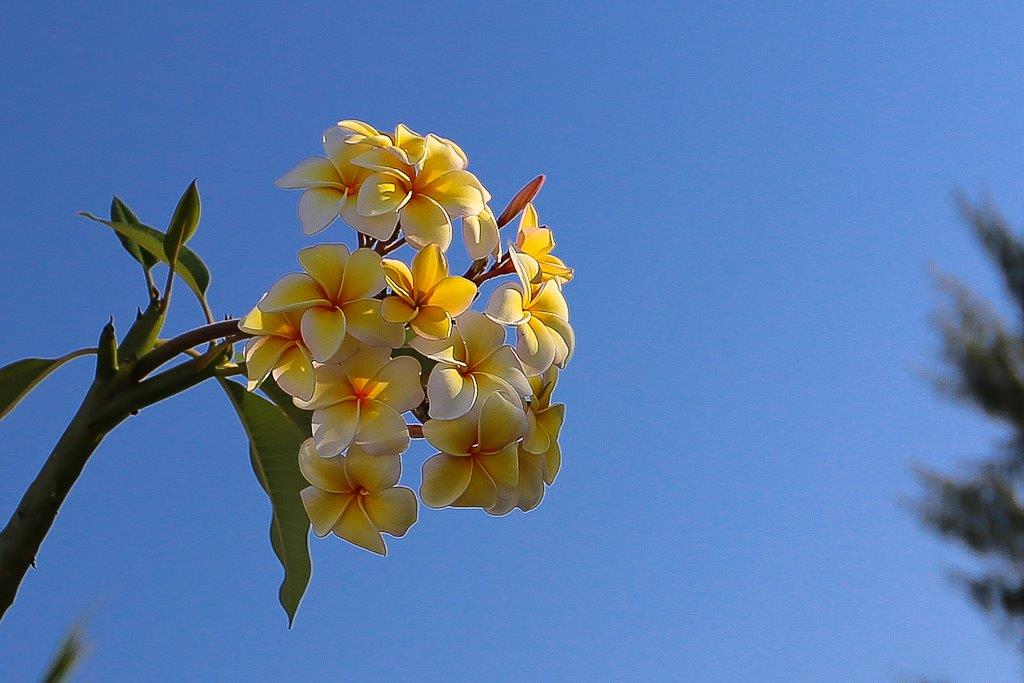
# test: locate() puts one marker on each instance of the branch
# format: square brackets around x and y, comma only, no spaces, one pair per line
[183,342]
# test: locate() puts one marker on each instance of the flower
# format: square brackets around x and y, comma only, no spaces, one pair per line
[355,496]
[278,348]
[426,296]
[477,465]
[361,401]
[539,314]
[537,243]
[472,364]
[480,233]
[332,183]
[544,423]
[333,296]
[421,182]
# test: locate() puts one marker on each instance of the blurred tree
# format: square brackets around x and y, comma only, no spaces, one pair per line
[985,355]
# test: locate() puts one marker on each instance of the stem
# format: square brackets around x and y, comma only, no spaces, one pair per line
[180,344]
[28,526]
[388,248]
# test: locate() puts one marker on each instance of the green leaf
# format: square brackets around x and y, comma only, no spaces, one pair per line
[120,213]
[20,377]
[143,333]
[274,442]
[183,223]
[188,265]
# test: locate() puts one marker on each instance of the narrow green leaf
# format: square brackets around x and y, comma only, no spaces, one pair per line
[20,377]
[120,213]
[188,265]
[183,223]
[274,442]
[68,656]
[143,333]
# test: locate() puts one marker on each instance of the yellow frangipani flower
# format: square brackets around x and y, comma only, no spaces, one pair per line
[334,297]
[538,242]
[426,296]
[480,233]
[361,401]
[332,183]
[539,314]
[424,185]
[277,347]
[473,363]
[477,465]
[356,496]
[544,423]
[539,454]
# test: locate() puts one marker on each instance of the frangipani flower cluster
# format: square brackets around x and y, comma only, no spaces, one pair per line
[380,342]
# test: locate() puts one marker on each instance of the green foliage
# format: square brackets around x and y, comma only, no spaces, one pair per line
[184,222]
[302,418]
[20,377]
[143,333]
[985,354]
[120,213]
[188,265]
[69,654]
[274,441]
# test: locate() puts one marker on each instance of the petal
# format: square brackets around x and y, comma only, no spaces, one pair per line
[455,437]
[361,367]
[445,478]
[363,276]
[549,299]
[356,528]
[294,373]
[562,335]
[551,419]
[501,423]
[535,347]
[505,364]
[397,384]
[537,439]
[503,466]
[450,350]
[507,496]
[390,161]
[552,462]
[395,309]
[326,474]
[480,234]
[459,192]
[350,346]
[261,354]
[325,264]
[366,324]
[451,395]
[440,157]
[431,322]
[481,491]
[454,294]
[392,510]
[331,386]
[529,219]
[323,330]
[398,277]
[294,291]
[482,336]
[425,222]
[429,267]
[530,489]
[324,509]
[487,384]
[354,126]
[372,472]
[318,207]
[311,172]
[382,193]
[506,305]
[380,227]
[382,430]
[335,426]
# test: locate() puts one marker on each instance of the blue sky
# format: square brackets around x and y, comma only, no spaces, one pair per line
[751,196]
